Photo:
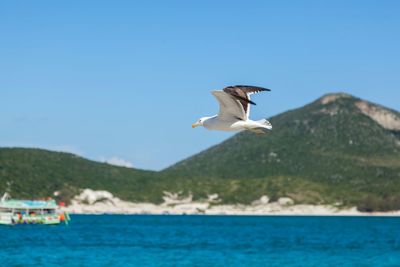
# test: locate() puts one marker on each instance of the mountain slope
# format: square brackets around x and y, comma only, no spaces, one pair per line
[338,148]
[27,173]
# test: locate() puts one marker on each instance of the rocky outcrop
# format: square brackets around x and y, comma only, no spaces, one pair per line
[333,97]
[101,202]
[384,117]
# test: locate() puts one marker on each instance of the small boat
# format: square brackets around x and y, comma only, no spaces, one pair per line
[13,211]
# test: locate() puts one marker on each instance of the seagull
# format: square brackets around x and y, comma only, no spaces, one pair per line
[234,110]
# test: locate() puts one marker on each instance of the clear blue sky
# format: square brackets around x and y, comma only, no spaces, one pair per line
[126,79]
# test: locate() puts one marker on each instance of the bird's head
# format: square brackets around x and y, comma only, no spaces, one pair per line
[199,122]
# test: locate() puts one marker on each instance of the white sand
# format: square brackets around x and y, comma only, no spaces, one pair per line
[103,202]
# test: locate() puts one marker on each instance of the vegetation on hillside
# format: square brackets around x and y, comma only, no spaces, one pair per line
[28,173]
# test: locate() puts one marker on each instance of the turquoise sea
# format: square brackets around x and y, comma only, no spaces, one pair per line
[118,240]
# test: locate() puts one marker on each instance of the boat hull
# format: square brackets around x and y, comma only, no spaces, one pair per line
[11,219]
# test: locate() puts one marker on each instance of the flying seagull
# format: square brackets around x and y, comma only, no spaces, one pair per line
[234,111]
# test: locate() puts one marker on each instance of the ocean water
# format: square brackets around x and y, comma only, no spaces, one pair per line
[118,240]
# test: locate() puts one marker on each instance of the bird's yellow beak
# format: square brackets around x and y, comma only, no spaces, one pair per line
[194,125]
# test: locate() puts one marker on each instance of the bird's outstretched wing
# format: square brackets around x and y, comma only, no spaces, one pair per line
[229,107]
[242,94]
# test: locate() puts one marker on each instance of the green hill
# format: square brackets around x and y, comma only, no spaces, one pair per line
[338,149]
[28,173]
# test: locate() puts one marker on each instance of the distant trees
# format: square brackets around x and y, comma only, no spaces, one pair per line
[372,203]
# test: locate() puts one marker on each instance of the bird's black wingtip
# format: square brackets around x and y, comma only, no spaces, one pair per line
[251,86]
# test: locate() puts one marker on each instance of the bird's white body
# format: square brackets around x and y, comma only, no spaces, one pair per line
[233,116]
[221,124]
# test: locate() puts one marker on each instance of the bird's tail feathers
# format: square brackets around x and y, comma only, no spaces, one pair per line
[265,123]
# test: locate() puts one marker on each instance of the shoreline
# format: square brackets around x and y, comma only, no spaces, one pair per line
[91,202]
[272,209]
[377,215]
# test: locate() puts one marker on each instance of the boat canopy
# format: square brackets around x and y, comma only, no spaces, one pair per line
[28,204]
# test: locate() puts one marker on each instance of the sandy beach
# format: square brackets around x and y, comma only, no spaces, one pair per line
[103,202]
